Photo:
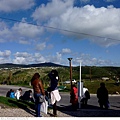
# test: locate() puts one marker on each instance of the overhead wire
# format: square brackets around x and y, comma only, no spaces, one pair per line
[50,27]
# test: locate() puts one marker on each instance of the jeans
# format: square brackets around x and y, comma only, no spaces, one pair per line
[37,104]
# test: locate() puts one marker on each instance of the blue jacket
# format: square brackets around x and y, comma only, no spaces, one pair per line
[12,95]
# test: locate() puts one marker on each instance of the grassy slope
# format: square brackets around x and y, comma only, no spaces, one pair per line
[13,103]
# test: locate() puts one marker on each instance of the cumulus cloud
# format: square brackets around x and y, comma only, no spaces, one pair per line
[22,58]
[53,9]
[20,32]
[26,58]
[66,51]
[41,46]
[27,30]
[87,59]
[14,5]
[85,22]
[5,56]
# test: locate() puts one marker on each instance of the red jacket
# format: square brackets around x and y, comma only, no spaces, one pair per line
[74,95]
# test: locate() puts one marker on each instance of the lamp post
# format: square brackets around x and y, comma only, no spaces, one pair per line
[70,59]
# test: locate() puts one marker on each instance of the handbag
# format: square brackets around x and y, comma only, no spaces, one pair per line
[41,99]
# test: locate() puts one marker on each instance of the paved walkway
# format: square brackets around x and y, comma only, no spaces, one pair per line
[17,112]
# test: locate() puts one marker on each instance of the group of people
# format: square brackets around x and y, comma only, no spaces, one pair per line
[18,95]
[102,95]
[52,89]
[38,91]
[74,97]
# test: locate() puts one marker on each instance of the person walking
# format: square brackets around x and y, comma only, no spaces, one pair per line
[53,89]
[38,91]
[102,95]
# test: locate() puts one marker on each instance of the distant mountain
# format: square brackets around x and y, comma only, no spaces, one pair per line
[46,64]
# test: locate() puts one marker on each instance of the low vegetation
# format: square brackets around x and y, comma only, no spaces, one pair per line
[7,102]
[91,76]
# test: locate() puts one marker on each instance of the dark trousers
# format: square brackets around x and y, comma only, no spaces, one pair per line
[55,109]
[103,104]
[84,101]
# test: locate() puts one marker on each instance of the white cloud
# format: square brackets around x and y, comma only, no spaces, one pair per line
[109,0]
[26,58]
[87,19]
[14,5]
[27,30]
[85,1]
[22,58]
[66,51]
[5,54]
[87,59]
[41,46]
[39,58]
[22,33]
[42,14]
[24,42]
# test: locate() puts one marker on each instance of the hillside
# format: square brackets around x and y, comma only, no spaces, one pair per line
[48,64]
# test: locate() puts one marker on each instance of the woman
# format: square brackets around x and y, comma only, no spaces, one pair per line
[38,91]
[74,97]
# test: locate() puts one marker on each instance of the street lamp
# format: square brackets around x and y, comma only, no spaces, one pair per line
[70,59]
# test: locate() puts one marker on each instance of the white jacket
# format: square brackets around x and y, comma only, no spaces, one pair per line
[17,94]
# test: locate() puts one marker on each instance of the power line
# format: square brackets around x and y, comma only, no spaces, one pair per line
[65,30]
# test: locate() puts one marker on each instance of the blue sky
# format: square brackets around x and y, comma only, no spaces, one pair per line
[54,30]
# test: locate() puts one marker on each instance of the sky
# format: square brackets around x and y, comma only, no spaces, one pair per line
[38,31]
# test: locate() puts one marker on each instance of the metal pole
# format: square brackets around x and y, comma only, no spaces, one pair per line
[80,87]
[70,71]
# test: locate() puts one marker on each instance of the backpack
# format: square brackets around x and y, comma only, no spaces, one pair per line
[87,94]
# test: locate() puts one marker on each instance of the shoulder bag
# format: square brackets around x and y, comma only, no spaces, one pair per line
[41,99]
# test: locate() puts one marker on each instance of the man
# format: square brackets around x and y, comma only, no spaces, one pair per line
[54,93]
[27,96]
[102,95]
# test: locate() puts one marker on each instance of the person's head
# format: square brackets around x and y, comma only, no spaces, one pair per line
[35,76]
[102,84]
[54,72]
[10,90]
[20,89]
[30,91]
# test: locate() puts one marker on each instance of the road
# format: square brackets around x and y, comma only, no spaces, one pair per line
[65,101]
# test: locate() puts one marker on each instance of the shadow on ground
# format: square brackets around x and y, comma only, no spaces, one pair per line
[89,111]
[27,106]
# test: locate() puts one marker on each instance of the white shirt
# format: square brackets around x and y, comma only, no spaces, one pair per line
[84,90]
[55,96]
[17,94]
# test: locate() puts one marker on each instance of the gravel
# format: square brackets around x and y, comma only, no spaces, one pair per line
[18,112]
